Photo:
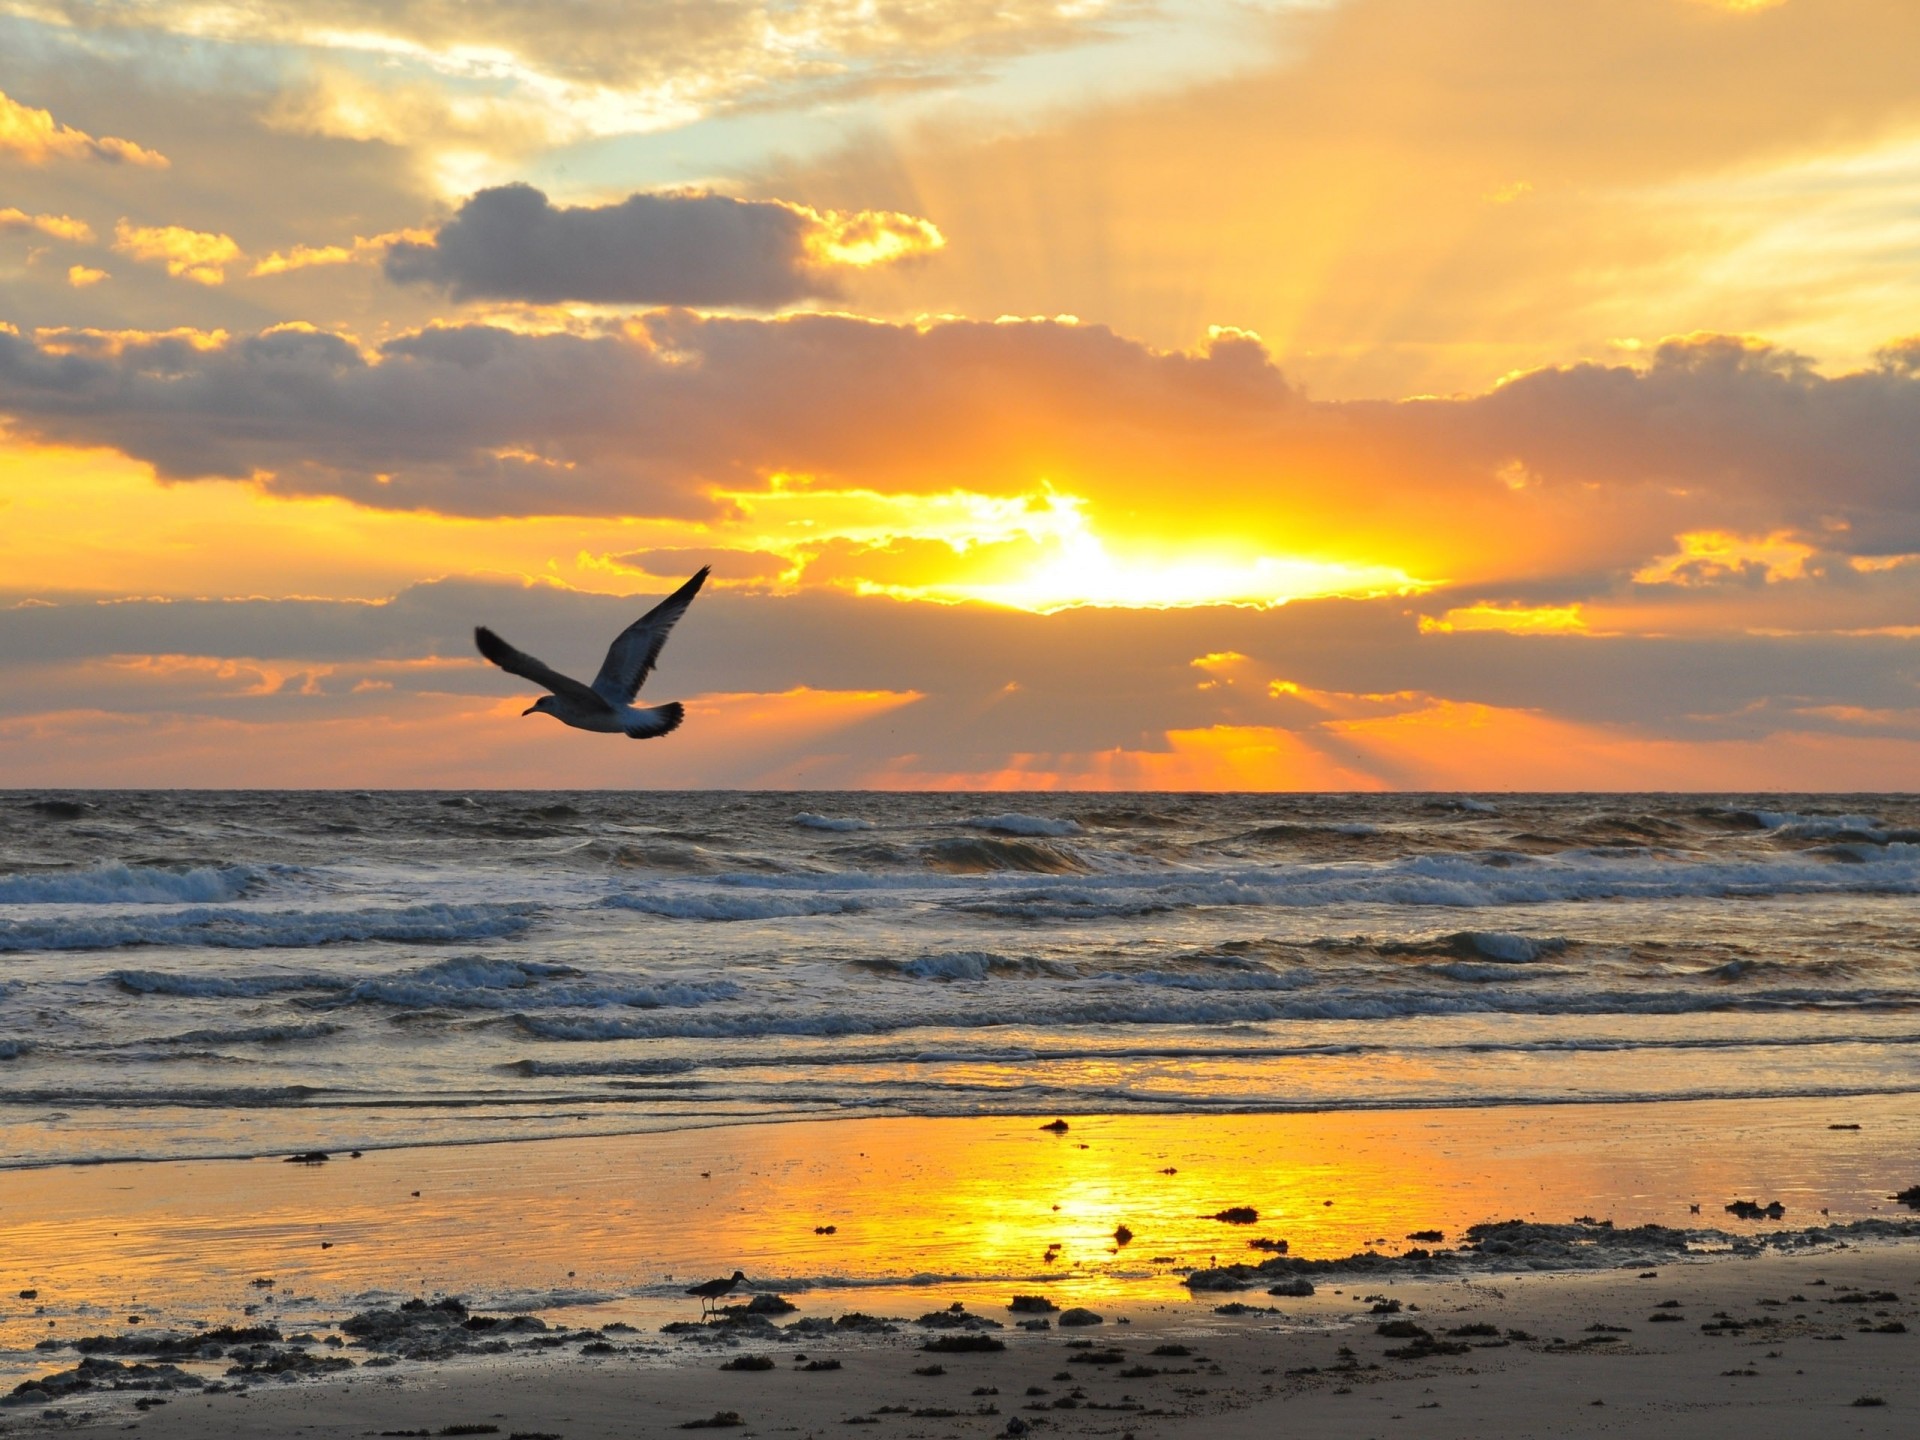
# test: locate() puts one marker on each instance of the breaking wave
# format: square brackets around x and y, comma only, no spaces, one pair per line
[734,906]
[1014,823]
[808,820]
[116,883]
[238,929]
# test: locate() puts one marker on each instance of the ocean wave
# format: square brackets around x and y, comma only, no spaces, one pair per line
[984,856]
[217,987]
[458,983]
[566,1068]
[968,965]
[1014,823]
[1213,1051]
[252,1034]
[195,1097]
[1482,973]
[1215,1009]
[1126,817]
[1794,825]
[1458,881]
[240,929]
[1301,832]
[1817,825]
[652,854]
[116,883]
[735,906]
[806,819]
[1500,945]
[481,983]
[1255,978]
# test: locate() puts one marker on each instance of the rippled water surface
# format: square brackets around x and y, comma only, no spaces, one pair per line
[248,973]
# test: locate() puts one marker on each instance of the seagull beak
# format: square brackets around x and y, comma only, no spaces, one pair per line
[531,710]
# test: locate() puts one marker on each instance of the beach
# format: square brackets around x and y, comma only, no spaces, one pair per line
[1801,1368]
[396,1113]
[542,1301]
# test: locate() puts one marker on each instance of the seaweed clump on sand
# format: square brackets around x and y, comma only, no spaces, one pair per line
[1582,1244]
[419,1330]
[94,1373]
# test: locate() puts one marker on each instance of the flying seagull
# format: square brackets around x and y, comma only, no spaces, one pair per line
[607,704]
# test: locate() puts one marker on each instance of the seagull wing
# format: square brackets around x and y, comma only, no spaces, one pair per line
[631,657]
[518,662]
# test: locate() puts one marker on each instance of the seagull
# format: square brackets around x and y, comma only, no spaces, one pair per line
[607,704]
[711,1290]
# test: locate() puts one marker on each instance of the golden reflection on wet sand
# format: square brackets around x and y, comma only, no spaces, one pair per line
[972,1205]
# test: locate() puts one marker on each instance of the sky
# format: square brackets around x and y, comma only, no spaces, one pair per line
[1118,394]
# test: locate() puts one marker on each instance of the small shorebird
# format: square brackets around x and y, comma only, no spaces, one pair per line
[607,704]
[710,1291]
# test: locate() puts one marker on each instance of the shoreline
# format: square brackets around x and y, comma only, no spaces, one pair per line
[681,1125]
[883,1214]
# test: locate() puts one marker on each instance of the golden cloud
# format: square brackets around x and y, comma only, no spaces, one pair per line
[364,250]
[36,137]
[196,255]
[60,227]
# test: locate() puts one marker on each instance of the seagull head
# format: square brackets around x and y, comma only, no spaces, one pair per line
[542,706]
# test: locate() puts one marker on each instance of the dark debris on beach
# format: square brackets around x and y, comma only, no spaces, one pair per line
[1521,1245]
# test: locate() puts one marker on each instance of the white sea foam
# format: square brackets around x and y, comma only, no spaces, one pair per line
[1014,823]
[808,820]
[115,883]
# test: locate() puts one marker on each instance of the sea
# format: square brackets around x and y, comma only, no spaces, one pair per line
[250,974]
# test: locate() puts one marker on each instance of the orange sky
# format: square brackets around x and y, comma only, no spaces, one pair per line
[1323,394]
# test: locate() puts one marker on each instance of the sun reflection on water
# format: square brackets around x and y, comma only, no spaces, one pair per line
[922,1211]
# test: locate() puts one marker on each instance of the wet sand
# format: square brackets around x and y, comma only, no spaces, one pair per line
[905,1219]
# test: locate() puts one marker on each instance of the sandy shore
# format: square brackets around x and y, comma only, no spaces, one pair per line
[575,1257]
[1774,1346]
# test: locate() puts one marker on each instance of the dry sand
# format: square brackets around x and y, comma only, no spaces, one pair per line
[1770,1346]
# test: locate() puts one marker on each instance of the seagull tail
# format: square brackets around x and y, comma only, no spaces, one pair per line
[661,720]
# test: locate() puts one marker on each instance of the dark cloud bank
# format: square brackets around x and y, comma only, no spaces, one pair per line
[995,682]
[512,243]
[1593,465]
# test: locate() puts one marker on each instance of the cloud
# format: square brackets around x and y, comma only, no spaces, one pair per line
[1209,452]
[60,227]
[1684,168]
[364,250]
[1343,693]
[511,243]
[81,276]
[609,66]
[675,561]
[187,254]
[35,137]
